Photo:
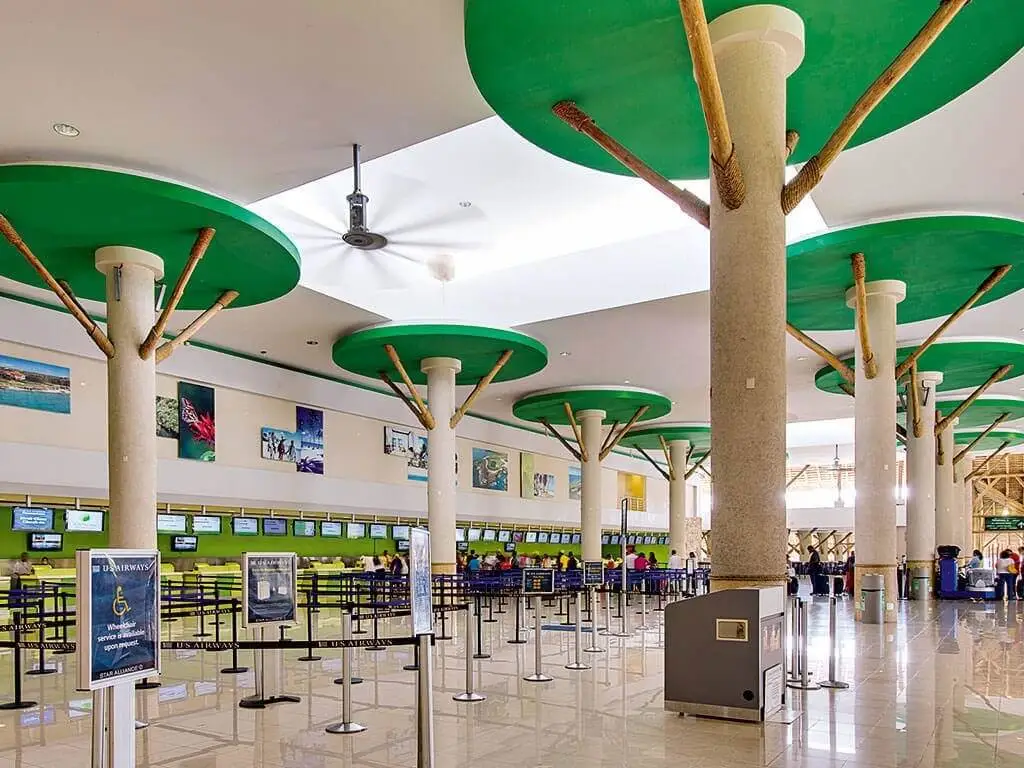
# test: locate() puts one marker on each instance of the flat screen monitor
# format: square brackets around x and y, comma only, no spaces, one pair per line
[168,523]
[32,519]
[664,540]
[474,534]
[606,539]
[462,546]
[631,539]
[245,526]
[378,531]
[518,536]
[531,537]
[505,536]
[403,545]
[616,539]
[542,537]
[205,524]
[490,534]
[83,520]
[330,530]
[401,532]
[576,538]
[275,526]
[510,546]
[460,534]
[304,528]
[355,530]
[45,542]
[184,543]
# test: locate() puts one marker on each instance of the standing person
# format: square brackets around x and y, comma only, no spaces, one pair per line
[675,562]
[639,562]
[1006,576]
[563,561]
[571,563]
[397,566]
[473,563]
[814,571]
[652,560]
[1020,581]
[630,559]
[851,562]
[19,569]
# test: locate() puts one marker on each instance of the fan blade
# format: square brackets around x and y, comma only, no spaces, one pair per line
[393,196]
[399,255]
[436,246]
[455,216]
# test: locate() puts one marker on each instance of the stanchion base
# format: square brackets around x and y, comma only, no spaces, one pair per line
[312,658]
[838,685]
[345,728]
[139,725]
[481,655]
[234,670]
[443,637]
[341,681]
[620,634]
[595,649]
[469,696]
[203,634]
[251,702]
[62,653]
[411,667]
[576,665]
[148,685]
[516,642]
[802,687]
[538,679]
[375,648]
[490,621]
[358,631]
[43,671]
[17,705]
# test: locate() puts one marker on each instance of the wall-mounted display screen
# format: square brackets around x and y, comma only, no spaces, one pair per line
[355,531]
[45,542]
[505,536]
[616,539]
[32,519]
[462,546]
[403,545]
[402,532]
[275,526]
[378,531]
[205,524]
[542,537]
[490,534]
[168,523]
[460,534]
[330,530]
[303,527]
[631,539]
[474,534]
[83,520]
[510,546]
[576,538]
[245,526]
[531,537]
[606,539]
[184,543]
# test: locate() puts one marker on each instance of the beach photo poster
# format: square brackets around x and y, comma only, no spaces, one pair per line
[34,385]
[575,482]
[167,417]
[397,441]
[309,423]
[418,457]
[490,469]
[197,422]
[543,485]
[279,445]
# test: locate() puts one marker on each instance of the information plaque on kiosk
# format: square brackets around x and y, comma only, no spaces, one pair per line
[593,573]
[538,581]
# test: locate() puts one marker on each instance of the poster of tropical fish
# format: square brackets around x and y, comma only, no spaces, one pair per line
[197,422]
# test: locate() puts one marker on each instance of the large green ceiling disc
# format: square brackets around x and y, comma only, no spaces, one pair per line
[626,63]
[942,259]
[992,441]
[963,363]
[64,213]
[983,411]
[618,403]
[649,438]
[477,347]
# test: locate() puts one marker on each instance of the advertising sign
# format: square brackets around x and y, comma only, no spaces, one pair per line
[118,620]
[538,581]
[593,573]
[420,600]
[269,593]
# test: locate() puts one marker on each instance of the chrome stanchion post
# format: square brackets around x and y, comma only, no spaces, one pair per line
[99,729]
[346,725]
[469,694]
[793,627]
[643,603]
[803,684]
[833,643]
[538,676]
[577,662]
[594,648]
[425,706]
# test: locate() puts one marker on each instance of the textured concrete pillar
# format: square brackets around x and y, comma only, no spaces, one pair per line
[963,492]
[921,476]
[590,482]
[874,521]
[677,451]
[755,49]
[441,451]
[948,522]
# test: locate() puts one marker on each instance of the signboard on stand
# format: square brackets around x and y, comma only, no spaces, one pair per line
[118,616]
[593,573]
[538,581]
[420,597]
[269,588]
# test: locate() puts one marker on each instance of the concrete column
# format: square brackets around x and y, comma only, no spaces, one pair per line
[948,522]
[921,477]
[874,520]
[441,450]
[590,484]
[677,451]
[756,49]
[962,490]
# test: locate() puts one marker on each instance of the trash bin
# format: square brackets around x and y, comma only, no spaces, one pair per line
[872,598]
[921,584]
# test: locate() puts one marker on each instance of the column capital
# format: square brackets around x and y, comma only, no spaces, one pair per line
[929,379]
[761,23]
[110,256]
[591,413]
[449,363]
[894,289]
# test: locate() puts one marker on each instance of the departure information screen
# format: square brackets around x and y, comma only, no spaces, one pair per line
[538,581]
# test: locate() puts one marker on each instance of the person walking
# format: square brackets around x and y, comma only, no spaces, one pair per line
[814,570]
[851,563]
[675,562]
[1006,576]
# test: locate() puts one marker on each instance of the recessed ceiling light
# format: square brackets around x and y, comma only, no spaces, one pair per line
[564,354]
[263,351]
[465,204]
[802,357]
[498,399]
[65,129]
[626,381]
[312,342]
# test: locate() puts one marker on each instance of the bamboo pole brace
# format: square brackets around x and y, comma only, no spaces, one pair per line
[814,169]
[656,465]
[584,455]
[696,466]
[847,388]
[728,174]
[971,398]
[223,302]
[428,417]
[915,401]
[480,387]
[609,437]
[689,203]
[404,398]
[792,139]
[95,332]
[985,433]
[565,443]
[986,462]
[668,457]
[199,247]
[838,365]
[870,367]
[940,453]
[623,432]
[798,475]
[986,285]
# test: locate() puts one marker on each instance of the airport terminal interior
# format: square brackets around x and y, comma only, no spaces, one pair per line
[525,384]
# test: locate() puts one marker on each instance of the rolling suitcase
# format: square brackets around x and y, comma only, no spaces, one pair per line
[837,585]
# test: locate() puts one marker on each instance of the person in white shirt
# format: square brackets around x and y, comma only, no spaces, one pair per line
[675,562]
[631,560]
[368,565]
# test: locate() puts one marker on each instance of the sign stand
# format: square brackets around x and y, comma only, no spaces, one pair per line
[577,663]
[269,596]
[469,694]
[593,647]
[346,725]
[537,582]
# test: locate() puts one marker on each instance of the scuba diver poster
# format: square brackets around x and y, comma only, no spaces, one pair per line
[118,618]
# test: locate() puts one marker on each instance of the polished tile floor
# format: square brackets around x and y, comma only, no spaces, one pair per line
[943,687]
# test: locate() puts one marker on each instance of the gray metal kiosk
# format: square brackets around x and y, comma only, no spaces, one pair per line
[724,654]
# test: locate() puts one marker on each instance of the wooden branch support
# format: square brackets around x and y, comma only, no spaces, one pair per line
[424,414]
[696,466]
[689,203]
[813,171]
[610,446]
[728,175]
[96,333]
[480,387]
[223,302]
[863,331]
[609,437]
[798,475]
[955,414]
[986,462]
[792,139]
[838,365]
[668,457]
[584,455]
[915,401]
[565,443]
[656,465]
[986,285]
[847,388]
[985,433]
[199,247]
[404,398]
[940,453]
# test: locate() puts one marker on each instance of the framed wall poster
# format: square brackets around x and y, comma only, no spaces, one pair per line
[269,588]
[167,417]
[197,422]
[575,482]
[309,424]
[118,618]
[279,445]
[417,463]
[397,441]
[34,385]
[526,462]
[490,469]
